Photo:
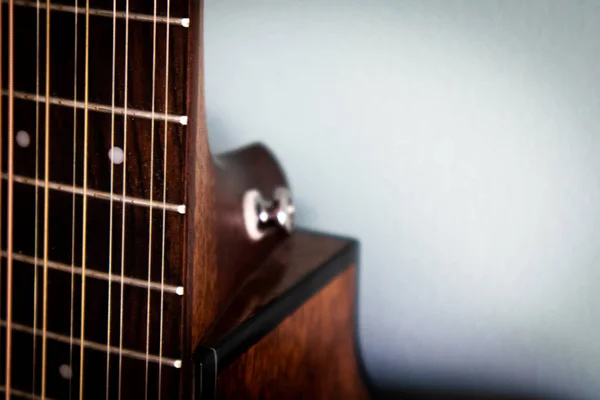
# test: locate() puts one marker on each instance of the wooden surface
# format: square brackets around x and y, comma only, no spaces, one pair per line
[67,129]
[238,256]
[200,245]
[311,355]
[295,258]
[205,250]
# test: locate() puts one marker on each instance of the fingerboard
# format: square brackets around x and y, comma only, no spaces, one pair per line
[99,313]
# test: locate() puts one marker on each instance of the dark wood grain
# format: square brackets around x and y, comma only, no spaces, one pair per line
[145,179]
[200,264]
[311,355]
[294,259]
[238,256]
[226,276]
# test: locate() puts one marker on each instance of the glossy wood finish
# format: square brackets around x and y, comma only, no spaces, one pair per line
[229,281]
[238,256]
[288,296]
[300,257]
[311,355]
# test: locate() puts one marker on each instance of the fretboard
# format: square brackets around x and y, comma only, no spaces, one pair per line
[105,198]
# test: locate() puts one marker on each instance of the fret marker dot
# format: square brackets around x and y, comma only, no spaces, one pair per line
[23,139]
[179,291]
[65,371]
[116,155]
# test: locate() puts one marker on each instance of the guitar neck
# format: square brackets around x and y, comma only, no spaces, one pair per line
[93,162]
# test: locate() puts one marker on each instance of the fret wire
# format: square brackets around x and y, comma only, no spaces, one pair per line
[94,345]
[184,22]
[20,393]
[107,109]
[54,265]
[97,194]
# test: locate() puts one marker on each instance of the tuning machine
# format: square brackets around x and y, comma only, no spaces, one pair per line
[263,216]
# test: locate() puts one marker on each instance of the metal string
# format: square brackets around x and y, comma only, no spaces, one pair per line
[112,174]
[46,202]
[124,195]
[74,207]
[162,265]
[1,56]
[36,201]
[85,184]
[10,195]
[151,196]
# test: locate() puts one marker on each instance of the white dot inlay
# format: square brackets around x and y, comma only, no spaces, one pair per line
[179,290]
[23,139]
[116,155]
[65,371]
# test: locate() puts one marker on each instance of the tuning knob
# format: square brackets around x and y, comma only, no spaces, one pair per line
[263,216]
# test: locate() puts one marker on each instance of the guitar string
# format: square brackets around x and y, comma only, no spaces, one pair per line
[152,130]
[162,265]
[36,195]
[46,204]
[85,184]
[74,203]
[10,195]
[124,196]
[110,218]
[1,150]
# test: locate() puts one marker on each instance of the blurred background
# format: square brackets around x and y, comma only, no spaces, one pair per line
[459,141]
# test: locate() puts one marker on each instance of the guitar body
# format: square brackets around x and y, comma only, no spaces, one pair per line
[135,263]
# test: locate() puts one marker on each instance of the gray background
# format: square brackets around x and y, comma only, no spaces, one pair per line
[459,141]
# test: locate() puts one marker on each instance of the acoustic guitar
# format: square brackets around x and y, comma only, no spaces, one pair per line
[135,263]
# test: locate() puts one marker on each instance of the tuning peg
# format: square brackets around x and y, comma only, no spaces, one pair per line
[263,216]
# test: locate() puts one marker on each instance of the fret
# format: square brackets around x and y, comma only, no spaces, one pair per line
[103,108]
[96,311]
[22,394]
[135,203]
[100,149]
[140,79]
[179,208]
[91,273]
[98,231]
[185,22]
[96,346]
[95,372]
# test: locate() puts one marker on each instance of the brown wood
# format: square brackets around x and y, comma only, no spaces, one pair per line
[227,278]
[139,151]
[311,355]
[295,258]
[200,263]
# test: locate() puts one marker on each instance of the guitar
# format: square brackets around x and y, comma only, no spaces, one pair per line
[135,263]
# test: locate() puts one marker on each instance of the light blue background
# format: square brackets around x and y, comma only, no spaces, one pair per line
[459,140]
